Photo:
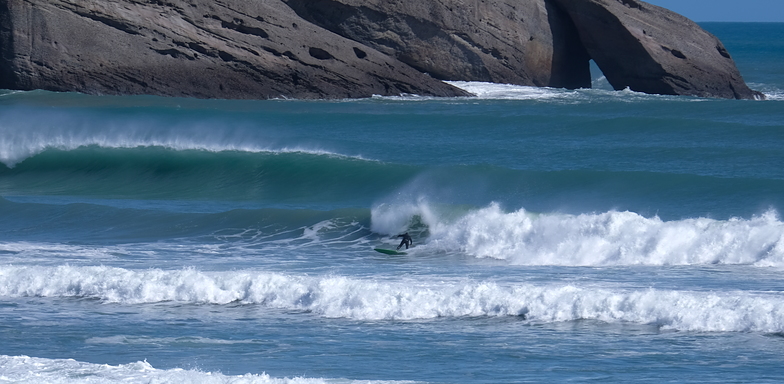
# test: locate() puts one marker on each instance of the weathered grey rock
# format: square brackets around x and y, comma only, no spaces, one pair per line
[196,48]
[354,48]
[653,50]
[529,42]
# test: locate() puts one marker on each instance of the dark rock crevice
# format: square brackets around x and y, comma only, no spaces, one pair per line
[723,51]
[571,65]
[319,53]
[360,53]
[631,4]
[238,25]
[7,77]
[116,24]
[174,53]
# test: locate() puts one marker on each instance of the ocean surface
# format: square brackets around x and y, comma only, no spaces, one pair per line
[559,236]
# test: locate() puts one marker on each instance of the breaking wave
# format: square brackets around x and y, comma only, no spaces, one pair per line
[31,130]
[593,239]
[372,299]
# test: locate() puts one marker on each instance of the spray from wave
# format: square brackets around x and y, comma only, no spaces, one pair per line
[595,239]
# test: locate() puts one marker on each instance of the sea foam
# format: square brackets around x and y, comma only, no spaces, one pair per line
[407,298]
[600,93]
[592,239]
[24,369]
[484,90]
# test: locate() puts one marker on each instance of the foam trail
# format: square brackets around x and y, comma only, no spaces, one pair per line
[21,369]
[407,299]
[603,239]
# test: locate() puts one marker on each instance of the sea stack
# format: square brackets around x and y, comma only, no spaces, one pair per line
[654,50]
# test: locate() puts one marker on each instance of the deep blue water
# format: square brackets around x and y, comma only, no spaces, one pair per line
[587,235]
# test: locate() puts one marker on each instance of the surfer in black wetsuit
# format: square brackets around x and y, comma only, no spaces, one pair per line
[406,240]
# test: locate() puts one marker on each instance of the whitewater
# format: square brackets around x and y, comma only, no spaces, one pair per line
[558,235]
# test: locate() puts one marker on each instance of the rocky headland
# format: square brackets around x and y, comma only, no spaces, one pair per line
[259,49]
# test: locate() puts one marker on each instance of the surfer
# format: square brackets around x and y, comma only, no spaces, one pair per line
[406,240]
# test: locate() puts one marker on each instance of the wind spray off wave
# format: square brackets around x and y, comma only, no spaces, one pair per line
[27,132]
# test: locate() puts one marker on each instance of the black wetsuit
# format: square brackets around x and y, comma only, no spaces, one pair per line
[406,240]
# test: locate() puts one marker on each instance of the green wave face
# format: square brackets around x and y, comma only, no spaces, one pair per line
[301,180]
[160,173]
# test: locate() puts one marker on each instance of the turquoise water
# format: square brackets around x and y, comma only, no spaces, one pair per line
[586,235]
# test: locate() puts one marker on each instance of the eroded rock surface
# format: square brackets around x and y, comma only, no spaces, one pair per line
[196,48]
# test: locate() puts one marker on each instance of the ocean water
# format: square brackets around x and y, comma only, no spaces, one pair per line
[559,236]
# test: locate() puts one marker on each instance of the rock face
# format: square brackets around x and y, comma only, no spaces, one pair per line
[653,50]
[354,48]
[528,42]
[196,48]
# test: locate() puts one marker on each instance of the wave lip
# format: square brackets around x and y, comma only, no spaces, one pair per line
[372,300]
[26,132]
[12,153]
[287,174]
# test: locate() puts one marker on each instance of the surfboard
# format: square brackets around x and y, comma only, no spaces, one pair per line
[389,251]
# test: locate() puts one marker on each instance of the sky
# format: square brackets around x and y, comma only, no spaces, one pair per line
[726,10]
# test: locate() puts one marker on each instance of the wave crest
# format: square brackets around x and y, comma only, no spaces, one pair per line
[27,132]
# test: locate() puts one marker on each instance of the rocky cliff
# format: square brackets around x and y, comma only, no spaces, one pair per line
[353,48]
[196,48]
